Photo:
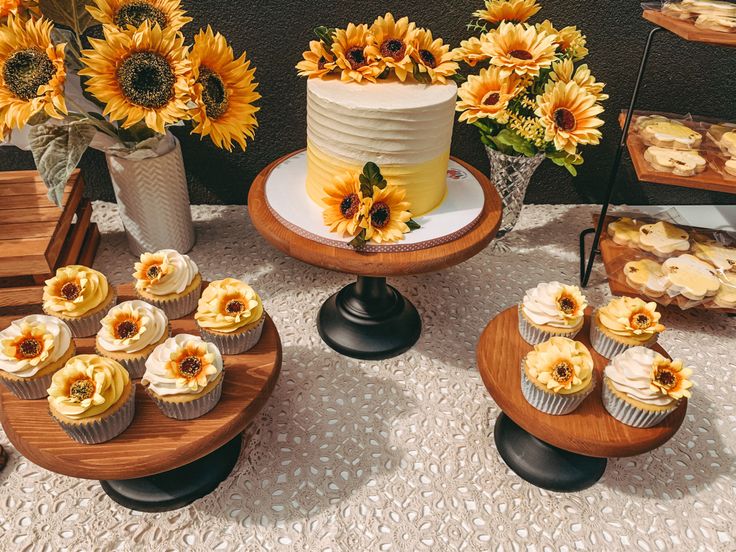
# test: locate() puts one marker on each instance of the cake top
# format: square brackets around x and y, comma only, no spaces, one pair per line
[561,365]
[228,306]
[390,96]
[32,343]
[631,317]
[555,304]
[164,272]
[74,291]
[131,327]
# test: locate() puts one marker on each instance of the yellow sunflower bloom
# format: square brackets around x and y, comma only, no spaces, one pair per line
[564,71]
[140,75]
[18,8]
[517,11]
[569,40]
[350,48]
[487,95]
[386,215]
[520,49]
[32,73]
[569,115]
[471,51]
[317,62]
[122,13]
[434,57]
[392,43]
[671,378]
[345,205]
[224,92]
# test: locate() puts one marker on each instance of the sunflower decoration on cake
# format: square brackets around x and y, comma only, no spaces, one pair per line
[515,11]
[31,346]
[121,14]
[671,378]
[392,43]
[191,364]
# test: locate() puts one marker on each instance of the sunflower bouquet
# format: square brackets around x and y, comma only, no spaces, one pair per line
[113,75]
[531,96]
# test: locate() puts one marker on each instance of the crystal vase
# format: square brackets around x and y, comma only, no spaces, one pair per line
[511,174]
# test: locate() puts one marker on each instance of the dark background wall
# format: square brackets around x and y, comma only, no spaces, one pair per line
[682,78]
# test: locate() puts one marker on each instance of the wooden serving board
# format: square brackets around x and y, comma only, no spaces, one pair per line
[687,30]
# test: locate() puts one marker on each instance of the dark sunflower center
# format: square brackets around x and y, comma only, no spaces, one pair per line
[380,215]
[356,57]
[563,372]
[136,12]
[492,99]
[82,389]
[665,378]
[564,119]
[70,291]
[25,70]
[428,58]
[126,329]
[146,79]
[349,206]
[30,347]
[567,305]
[321,63]
[153,271]
[190,366]
[521,54]
[394,49]
[214,93]
[234,307]
[641,321]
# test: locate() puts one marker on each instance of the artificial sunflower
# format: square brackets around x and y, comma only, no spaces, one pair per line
[125,324]
[140,75]
[386,215]
[517,11]
[350,48]
[471,51]
[671,378]
[18,8]
[345,205]
[317,62]
[224,92]
[391,42]
[520,49]
[123,13]
[151,269]
[434,57]
[571,303]
[569,115]
[32,73]
[32,346]
[569,40]
[487,95]
[564,71]
[191,364]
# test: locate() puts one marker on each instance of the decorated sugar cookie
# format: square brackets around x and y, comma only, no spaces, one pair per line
[718,23]
[726,296]
[722,257]
[691,277]
[728,142]
[667,133]
[678,162]
[710,7]
[625,231]
[676,11]
[663,239]
[647,276]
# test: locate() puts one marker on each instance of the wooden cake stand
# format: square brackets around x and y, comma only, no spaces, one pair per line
[158,463]
[559,453]
[369,319]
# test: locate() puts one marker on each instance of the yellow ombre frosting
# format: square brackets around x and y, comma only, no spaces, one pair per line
[560,365]
[632,318]
[74,291]
[228,305]
[87,386]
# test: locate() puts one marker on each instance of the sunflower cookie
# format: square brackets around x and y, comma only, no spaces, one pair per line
[726,296]
[647,276]
[718,23]
[722,257]
[668,133]
[625,231]
[691,277]
[678,162]
[663,239]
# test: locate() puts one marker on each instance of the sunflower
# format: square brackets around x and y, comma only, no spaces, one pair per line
[386,215]
[517,11]
[671,378]
[564,71]
[569,115]
[31,346]
[345,205]
[434,57]
[191,364]
[520,49]
[350,48]
[140,75]
[122,13]
[32,73]
[151,269]
[18,8]
[571,303]
[569,40]
[392,43]
[487,95]
[471,51]
[317,61]
[125,324]
[224,92]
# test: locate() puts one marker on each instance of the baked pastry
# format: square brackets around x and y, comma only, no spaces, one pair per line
[623,323]
[667,133]
[727,143]
[184,377]
[230,315]
[730,167]
[92,398]
[557,376]
[625,231]
[691,277]
[725,298]
[647,276]
[710,7]
[129,334]
[721,256]
[641,387]
[676,10]
[663,239]
[31,350]
[170,281]
[551,310]
[678,162]
[718,23]
[79,296]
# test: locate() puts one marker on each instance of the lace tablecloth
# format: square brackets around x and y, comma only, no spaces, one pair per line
[399,455]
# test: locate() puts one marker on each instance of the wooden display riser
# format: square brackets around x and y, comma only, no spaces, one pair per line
[688,31]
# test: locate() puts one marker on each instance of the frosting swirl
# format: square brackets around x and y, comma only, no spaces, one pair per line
[87,386]
[632,318]
[165,272]
[184,364]
[32,343]
[561,365]
[74,291]
[228,305]
[555,304]
[132,326]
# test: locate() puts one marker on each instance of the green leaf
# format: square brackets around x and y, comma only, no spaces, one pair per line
[39,118]
[72,14]
[372,177]
[459,79]
[57,150]
[413,225]
[326,35]
[507,139]
[421,76]
[359,241]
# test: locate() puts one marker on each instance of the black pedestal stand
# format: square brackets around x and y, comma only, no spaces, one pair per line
[369,320]
[176,488]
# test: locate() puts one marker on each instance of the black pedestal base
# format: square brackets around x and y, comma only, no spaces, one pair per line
[176,488]
[369,320]
[544,465]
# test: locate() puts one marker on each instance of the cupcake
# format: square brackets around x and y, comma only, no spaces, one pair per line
[31,350]
[184,377]
[551,310]
[230,315]
[557,376]
[92,398]
[641,387]
[623,323]
[80,297]
[130,332]
[170,281]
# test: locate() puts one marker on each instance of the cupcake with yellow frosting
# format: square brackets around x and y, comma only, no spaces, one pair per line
[170,281]
[641,387]
[623,323]
[129,334]
[92,398]
[31,350]
[184,376]
[557,376]
[79,296]
[551,310]
[230,315]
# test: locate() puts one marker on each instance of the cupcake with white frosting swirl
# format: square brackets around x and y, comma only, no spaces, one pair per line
[551,310]
[170,281]
[623,323]
[129,334]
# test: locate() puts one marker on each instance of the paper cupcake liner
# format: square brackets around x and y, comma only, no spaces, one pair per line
[234,344]
[136,367]
[534,336]
[87,326]
[610,348]
[102,430]
[29,389]
[552,403]
[177,308]
[629,414]
[191,409]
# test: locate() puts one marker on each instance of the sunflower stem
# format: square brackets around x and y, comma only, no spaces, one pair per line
[94,121]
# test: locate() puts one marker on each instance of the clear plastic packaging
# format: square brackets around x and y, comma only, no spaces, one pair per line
[710,15]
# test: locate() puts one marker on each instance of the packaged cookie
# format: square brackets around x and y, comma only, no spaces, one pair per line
[678,162]
[664,132]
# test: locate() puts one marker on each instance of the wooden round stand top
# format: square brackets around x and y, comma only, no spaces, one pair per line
[375,264]
[589,430]
[153,443]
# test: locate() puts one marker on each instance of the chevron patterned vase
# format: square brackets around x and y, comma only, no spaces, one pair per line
[153,201]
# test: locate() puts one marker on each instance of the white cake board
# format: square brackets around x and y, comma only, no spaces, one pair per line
[286,194]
